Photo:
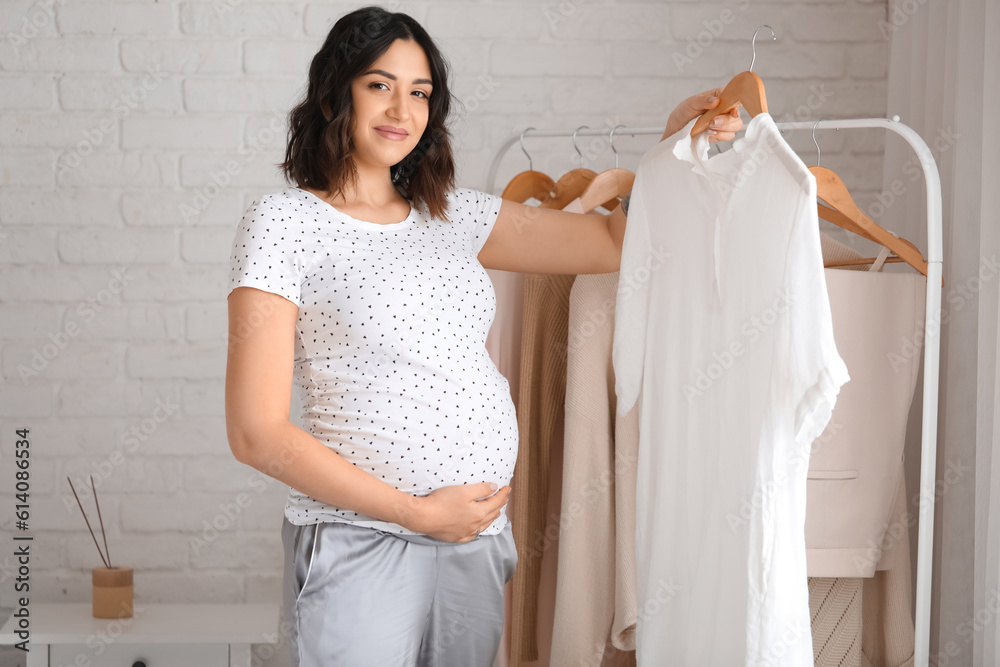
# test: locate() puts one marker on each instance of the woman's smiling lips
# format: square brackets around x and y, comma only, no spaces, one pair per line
[393,133]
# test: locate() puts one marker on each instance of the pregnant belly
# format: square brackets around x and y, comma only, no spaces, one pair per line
[416,447]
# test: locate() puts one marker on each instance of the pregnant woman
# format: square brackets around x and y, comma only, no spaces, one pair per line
[363,286]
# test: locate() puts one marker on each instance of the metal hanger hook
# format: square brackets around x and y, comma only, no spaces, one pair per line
[578,152]
[818,154]
[530,167]
[611,138]
[753,43]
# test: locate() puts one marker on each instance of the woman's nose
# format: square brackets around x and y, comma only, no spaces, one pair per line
[399,108]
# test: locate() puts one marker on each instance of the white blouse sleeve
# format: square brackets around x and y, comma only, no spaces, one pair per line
[815,367]
[632,303]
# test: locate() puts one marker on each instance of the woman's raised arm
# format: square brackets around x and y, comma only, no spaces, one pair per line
[531,239]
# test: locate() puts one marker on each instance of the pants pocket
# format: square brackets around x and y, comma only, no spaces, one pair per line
[305,556]
[510,562]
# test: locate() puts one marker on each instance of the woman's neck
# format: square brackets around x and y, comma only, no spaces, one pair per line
[373,188]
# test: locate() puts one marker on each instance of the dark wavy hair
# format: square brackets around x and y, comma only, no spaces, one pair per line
[319,150]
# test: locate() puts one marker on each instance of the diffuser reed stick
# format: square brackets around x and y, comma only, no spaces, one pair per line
[105,560]
[101,519]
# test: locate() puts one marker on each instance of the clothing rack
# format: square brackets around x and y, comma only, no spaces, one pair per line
[932,320]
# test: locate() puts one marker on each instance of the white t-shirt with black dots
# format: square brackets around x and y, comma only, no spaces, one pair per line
[390,354]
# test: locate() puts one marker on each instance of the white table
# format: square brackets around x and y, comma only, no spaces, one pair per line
[158,635]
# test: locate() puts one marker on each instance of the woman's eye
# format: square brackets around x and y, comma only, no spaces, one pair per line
[421,94]
[377,83]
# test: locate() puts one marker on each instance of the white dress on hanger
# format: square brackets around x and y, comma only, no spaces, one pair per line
[723,335]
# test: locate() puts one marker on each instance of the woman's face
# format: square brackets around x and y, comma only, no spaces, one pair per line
[391,105]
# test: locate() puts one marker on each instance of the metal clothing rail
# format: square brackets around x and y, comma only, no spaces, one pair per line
[932,322]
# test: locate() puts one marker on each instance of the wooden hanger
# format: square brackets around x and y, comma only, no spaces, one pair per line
[572,184]
[609,186]
[843,212]
[529,183]
[569,186]
[841,220]
[745,89]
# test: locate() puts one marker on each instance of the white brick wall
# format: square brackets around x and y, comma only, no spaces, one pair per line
[134,136]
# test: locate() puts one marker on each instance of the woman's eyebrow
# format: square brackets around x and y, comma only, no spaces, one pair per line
[393,76]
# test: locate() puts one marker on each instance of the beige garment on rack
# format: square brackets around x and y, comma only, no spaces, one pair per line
[866,622]
[595,612]
[857,462]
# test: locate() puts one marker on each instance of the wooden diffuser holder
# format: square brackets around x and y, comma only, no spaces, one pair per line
[113,592]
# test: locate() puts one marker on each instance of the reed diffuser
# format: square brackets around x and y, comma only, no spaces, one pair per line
[113,592]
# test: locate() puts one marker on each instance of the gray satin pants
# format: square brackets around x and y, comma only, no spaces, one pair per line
[360,597]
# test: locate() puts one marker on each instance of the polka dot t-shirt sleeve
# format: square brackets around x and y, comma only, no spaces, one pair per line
[478,210]
[267,252]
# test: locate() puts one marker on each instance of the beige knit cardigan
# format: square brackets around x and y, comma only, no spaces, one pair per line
[541,394]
